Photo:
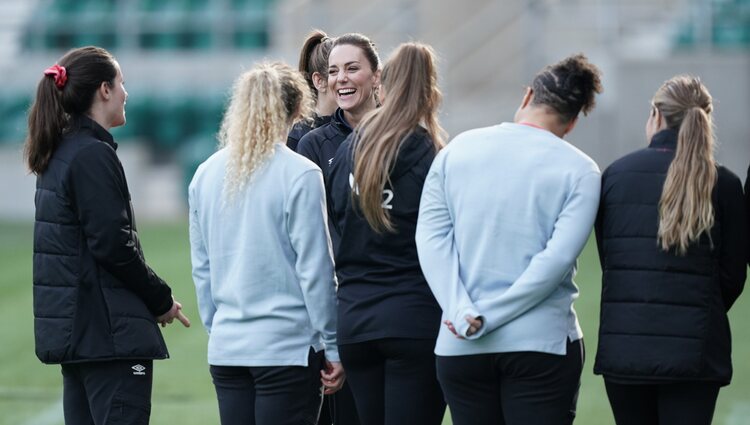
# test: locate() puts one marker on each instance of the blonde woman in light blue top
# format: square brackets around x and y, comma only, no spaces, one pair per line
[262,262]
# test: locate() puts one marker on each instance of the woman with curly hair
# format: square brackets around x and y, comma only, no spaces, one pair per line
[262,261]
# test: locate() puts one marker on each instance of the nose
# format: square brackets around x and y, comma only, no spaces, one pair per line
[341,76]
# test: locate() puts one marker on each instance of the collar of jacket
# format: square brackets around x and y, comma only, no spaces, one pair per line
[338,120]
[86,124]
[665,139]
[320,120]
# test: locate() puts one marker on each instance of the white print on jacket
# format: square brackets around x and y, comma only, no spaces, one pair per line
[387,193]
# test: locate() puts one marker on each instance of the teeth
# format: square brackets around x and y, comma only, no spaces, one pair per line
[344,92]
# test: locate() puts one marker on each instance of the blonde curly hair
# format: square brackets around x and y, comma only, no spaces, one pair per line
[265,102]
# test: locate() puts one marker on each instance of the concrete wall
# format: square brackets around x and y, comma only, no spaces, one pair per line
[727,77]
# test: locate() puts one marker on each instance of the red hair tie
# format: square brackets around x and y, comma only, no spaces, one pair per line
[61,76]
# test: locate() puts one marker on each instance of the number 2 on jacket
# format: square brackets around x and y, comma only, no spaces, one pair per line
[387,193]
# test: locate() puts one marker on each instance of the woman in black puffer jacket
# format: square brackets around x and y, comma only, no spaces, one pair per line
[96,302]
[672,243]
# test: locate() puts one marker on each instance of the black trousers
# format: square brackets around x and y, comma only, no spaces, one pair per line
[688,403]
[107,392]
[394,382]
[275,395]
[517,388]
[339,408]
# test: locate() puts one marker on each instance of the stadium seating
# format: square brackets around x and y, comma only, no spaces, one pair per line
[152,24]
[726,26]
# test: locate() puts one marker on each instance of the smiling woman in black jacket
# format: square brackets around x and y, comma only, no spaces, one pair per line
[672,243]
[388,319]
[96,302]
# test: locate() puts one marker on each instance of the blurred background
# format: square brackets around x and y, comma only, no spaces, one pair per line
[180,57]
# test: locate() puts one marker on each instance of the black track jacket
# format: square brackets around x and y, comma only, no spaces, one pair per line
[382,291]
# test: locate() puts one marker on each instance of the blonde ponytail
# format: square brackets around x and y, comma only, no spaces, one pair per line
[686,209]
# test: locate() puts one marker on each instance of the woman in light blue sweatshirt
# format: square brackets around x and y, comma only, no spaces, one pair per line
[262,261]
[505,211]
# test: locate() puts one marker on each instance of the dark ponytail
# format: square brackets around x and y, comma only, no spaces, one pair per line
[86,68]
[568,87]
[314,57]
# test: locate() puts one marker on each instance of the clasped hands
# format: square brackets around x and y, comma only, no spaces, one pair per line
[475,324]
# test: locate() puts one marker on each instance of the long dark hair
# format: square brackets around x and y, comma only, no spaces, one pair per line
[86,68]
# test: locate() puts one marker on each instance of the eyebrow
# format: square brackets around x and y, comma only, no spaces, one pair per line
[346,64]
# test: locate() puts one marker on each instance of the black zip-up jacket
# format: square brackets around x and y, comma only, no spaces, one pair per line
[94,296]
[320,144]
[299,129]
[382,291]
[664,316]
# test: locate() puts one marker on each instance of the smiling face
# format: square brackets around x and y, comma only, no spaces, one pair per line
[351,79]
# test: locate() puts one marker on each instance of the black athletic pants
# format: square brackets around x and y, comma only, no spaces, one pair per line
[339,408]
[107,392]
[688,403]
[393,381]
[518,388]
[275,395]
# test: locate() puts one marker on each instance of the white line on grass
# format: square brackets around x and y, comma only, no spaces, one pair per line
[52,415]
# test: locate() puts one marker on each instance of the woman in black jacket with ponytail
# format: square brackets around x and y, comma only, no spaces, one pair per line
[96,302]
[672,242]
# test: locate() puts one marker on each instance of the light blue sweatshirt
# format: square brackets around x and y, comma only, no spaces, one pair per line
[505,211]
[262,264]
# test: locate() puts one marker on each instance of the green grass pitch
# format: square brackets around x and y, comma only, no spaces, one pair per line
[30,392]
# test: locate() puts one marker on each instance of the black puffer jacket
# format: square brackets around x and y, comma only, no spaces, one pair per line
[664,316]
[94,296]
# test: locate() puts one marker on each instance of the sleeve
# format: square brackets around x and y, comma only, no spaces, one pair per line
[437,251]
[734,246]
[306,222]
[102,200]
[306,147]
[599,222]
[200,261]
[548,267]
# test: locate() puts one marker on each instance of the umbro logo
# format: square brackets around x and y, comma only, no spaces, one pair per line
[139,369]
